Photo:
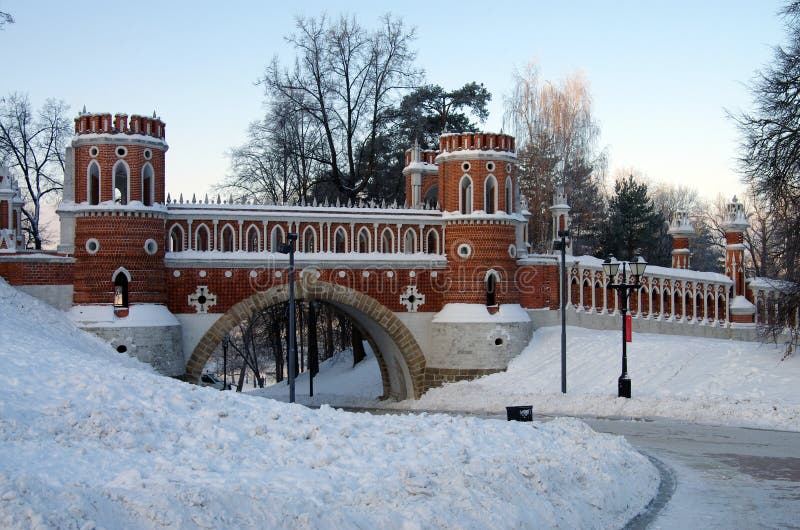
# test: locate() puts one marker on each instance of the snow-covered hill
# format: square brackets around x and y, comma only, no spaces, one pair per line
[92,439]
[701,380]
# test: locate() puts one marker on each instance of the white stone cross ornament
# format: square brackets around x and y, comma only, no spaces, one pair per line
[202,299]
[412,298]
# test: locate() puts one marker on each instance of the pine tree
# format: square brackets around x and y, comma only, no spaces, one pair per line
[633,225]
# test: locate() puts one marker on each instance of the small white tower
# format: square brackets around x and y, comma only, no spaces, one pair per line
[560,211]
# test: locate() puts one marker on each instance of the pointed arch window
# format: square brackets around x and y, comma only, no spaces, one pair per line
[509,196]
[202,238]
[465,195]
[410,241]
[227,240]
[309,240]
[363,241]
[340,241]
[253,239]
[432,242]
[93,183]
[276,237]
[121,289]
[490,194]
[121,182]
[387,241]
[148,185]
[176,239]
[491,280]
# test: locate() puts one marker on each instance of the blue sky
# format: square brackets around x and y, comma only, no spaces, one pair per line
[661,73]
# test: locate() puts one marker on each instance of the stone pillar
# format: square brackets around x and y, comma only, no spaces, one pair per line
[741,311]
[560,212]
[680,229]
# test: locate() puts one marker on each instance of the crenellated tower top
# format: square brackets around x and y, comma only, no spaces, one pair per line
[105,123]
[476,141]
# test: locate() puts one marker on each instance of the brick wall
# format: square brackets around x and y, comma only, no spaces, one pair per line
[122,240]
[36,273]
[490,250]
[231,285]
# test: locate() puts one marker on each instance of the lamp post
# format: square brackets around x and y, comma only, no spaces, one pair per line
[226,340]
[288,248]
[562,246]
[636,267]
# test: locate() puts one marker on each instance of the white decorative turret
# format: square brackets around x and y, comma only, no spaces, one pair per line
[11,239]
[735,218]
[680,229]
[735,224]
[560,211]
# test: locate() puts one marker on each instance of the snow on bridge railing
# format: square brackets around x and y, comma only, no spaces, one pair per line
[770,296]
[666,294]
[244,201]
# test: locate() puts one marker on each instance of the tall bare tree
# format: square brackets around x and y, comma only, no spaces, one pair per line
[347,79]
[557,143]
[32,146]
[280,161]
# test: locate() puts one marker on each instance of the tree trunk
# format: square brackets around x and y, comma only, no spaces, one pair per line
[328,333]
[277,348]
[358,344]
[313,351]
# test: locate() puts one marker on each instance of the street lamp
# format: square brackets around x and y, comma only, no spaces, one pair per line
[637,267]
[562,246]
[226,340]
[288,248]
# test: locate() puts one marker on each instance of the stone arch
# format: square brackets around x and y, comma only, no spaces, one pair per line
[490,194]
[364,240]
[253,239]
[227,239]
[93,183]
[509,195]
[148,184]
[465,195]
[401,358]
[121,182]
[175,239]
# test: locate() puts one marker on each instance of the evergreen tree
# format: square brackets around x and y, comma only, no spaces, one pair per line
[430,110]
[634,226]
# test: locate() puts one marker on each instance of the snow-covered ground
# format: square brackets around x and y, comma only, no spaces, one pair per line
[338,382]
[707,381]
[92,439]
[710,381]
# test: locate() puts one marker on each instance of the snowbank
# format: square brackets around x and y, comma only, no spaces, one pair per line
[709,381]
[90,438]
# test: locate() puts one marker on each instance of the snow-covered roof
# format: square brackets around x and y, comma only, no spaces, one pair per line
[769,284]
[479,313]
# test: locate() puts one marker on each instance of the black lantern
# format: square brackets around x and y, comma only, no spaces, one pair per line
[636,268]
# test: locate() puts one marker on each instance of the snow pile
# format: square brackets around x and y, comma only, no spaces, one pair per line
[90,438]
[702,380]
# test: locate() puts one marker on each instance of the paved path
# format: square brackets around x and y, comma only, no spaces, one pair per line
[727,477]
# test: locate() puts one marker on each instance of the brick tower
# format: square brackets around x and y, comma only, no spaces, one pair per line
[113,220]
[477,195]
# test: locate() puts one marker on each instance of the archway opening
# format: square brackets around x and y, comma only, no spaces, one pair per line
[330,344]
[396,351]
